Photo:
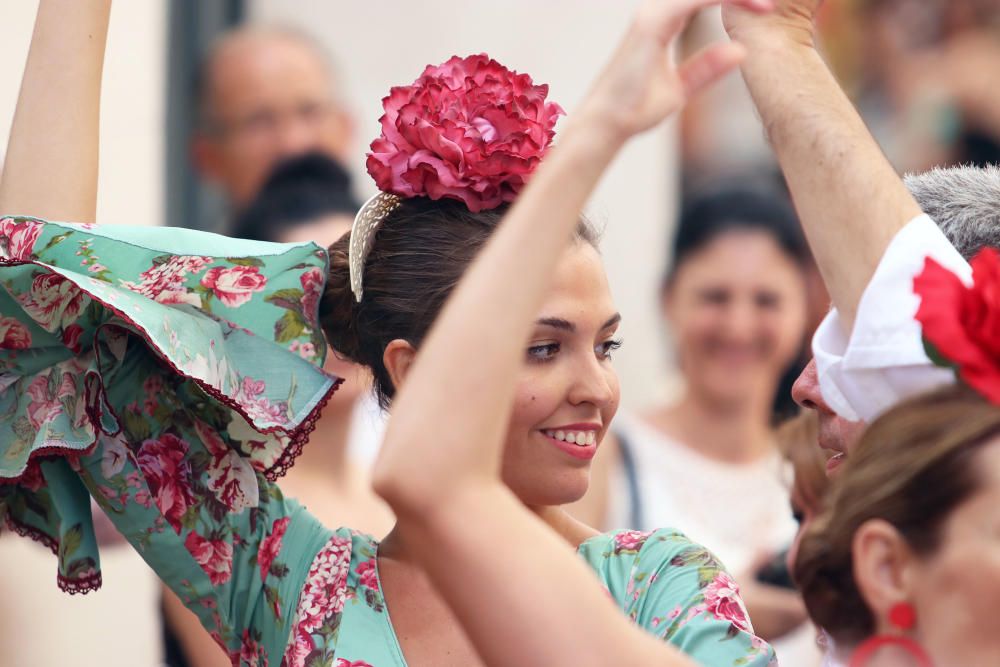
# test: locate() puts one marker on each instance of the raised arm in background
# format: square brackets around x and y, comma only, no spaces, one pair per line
[452,512]
[849,198]
[50,169]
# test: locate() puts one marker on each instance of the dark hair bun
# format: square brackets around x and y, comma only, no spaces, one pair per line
[338,309]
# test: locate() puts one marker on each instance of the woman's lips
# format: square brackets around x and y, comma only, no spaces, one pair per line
[579,441]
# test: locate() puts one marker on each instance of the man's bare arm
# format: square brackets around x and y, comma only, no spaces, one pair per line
[849,198]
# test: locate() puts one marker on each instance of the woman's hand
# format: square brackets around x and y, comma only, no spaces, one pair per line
[642,85]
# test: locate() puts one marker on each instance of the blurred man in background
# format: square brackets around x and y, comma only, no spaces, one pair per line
[265,94]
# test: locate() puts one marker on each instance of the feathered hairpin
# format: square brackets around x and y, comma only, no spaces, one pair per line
[468,129]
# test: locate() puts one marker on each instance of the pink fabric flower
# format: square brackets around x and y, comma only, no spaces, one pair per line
[13,335]
[342,662]
[167,471]
[271,545]
[71,337]
[165,283]
[263,412]
[230,478]
[367,574]
[44,407]
[326,586]
[722,600]
[630,540]
[312,289]
[299,647]
[236,285]
[468,129]
[54,302]
[251,654]
[214,556]
[17,239]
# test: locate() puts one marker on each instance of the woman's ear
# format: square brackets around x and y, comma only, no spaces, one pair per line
[398,356]
[883,569]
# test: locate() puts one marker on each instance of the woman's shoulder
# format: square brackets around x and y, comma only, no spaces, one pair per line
[678,590]
[645,545]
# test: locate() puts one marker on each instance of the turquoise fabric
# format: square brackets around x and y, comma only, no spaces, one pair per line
[120,332]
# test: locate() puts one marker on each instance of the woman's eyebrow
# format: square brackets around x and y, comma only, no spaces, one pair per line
[566,325]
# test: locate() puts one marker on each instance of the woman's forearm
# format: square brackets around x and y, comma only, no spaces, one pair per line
[50,169]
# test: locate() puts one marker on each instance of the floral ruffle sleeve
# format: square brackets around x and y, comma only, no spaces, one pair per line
[171,375]
[678,591]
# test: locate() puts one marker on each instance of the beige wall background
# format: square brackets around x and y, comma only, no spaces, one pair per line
[562,42]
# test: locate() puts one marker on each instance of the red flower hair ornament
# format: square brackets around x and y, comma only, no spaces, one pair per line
[961,324]
[468,129]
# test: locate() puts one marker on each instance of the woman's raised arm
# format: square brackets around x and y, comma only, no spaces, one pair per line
[439,465]
[50,169]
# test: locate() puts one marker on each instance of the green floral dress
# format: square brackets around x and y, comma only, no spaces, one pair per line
[173,376]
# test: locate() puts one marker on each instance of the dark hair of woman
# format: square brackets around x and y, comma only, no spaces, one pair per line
[419,254]
[913,467]
[707,216]
[299,190]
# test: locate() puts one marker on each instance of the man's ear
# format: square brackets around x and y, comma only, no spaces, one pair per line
[398,357]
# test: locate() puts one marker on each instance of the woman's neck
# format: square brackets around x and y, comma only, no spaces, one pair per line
[326,453]
[739,433]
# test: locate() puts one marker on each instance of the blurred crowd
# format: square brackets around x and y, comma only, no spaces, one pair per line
[740,296]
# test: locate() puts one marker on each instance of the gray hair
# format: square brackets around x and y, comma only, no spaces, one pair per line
[964,202]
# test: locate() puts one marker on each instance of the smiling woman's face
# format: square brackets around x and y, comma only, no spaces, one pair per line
[737,312]
[568,391]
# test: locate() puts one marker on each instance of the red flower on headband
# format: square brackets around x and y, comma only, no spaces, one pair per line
[962,324]
[468,129]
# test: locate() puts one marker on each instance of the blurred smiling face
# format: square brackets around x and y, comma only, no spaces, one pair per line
[568,391]
[736,309]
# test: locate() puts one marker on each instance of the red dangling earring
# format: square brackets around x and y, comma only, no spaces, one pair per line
[904,617]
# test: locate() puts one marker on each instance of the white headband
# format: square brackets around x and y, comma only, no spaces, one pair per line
[366,223]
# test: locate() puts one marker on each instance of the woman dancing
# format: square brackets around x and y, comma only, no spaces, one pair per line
[200,320]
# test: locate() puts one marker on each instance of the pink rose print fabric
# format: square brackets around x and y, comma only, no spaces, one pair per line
[161,343]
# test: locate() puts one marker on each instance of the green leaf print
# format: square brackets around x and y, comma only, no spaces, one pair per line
[70,542]
[289,327]
[246,261]
[136,426]
[55,240]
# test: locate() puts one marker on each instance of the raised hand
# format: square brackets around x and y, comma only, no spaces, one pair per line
[642,85]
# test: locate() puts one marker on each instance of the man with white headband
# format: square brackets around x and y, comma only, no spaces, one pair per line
[868,352]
